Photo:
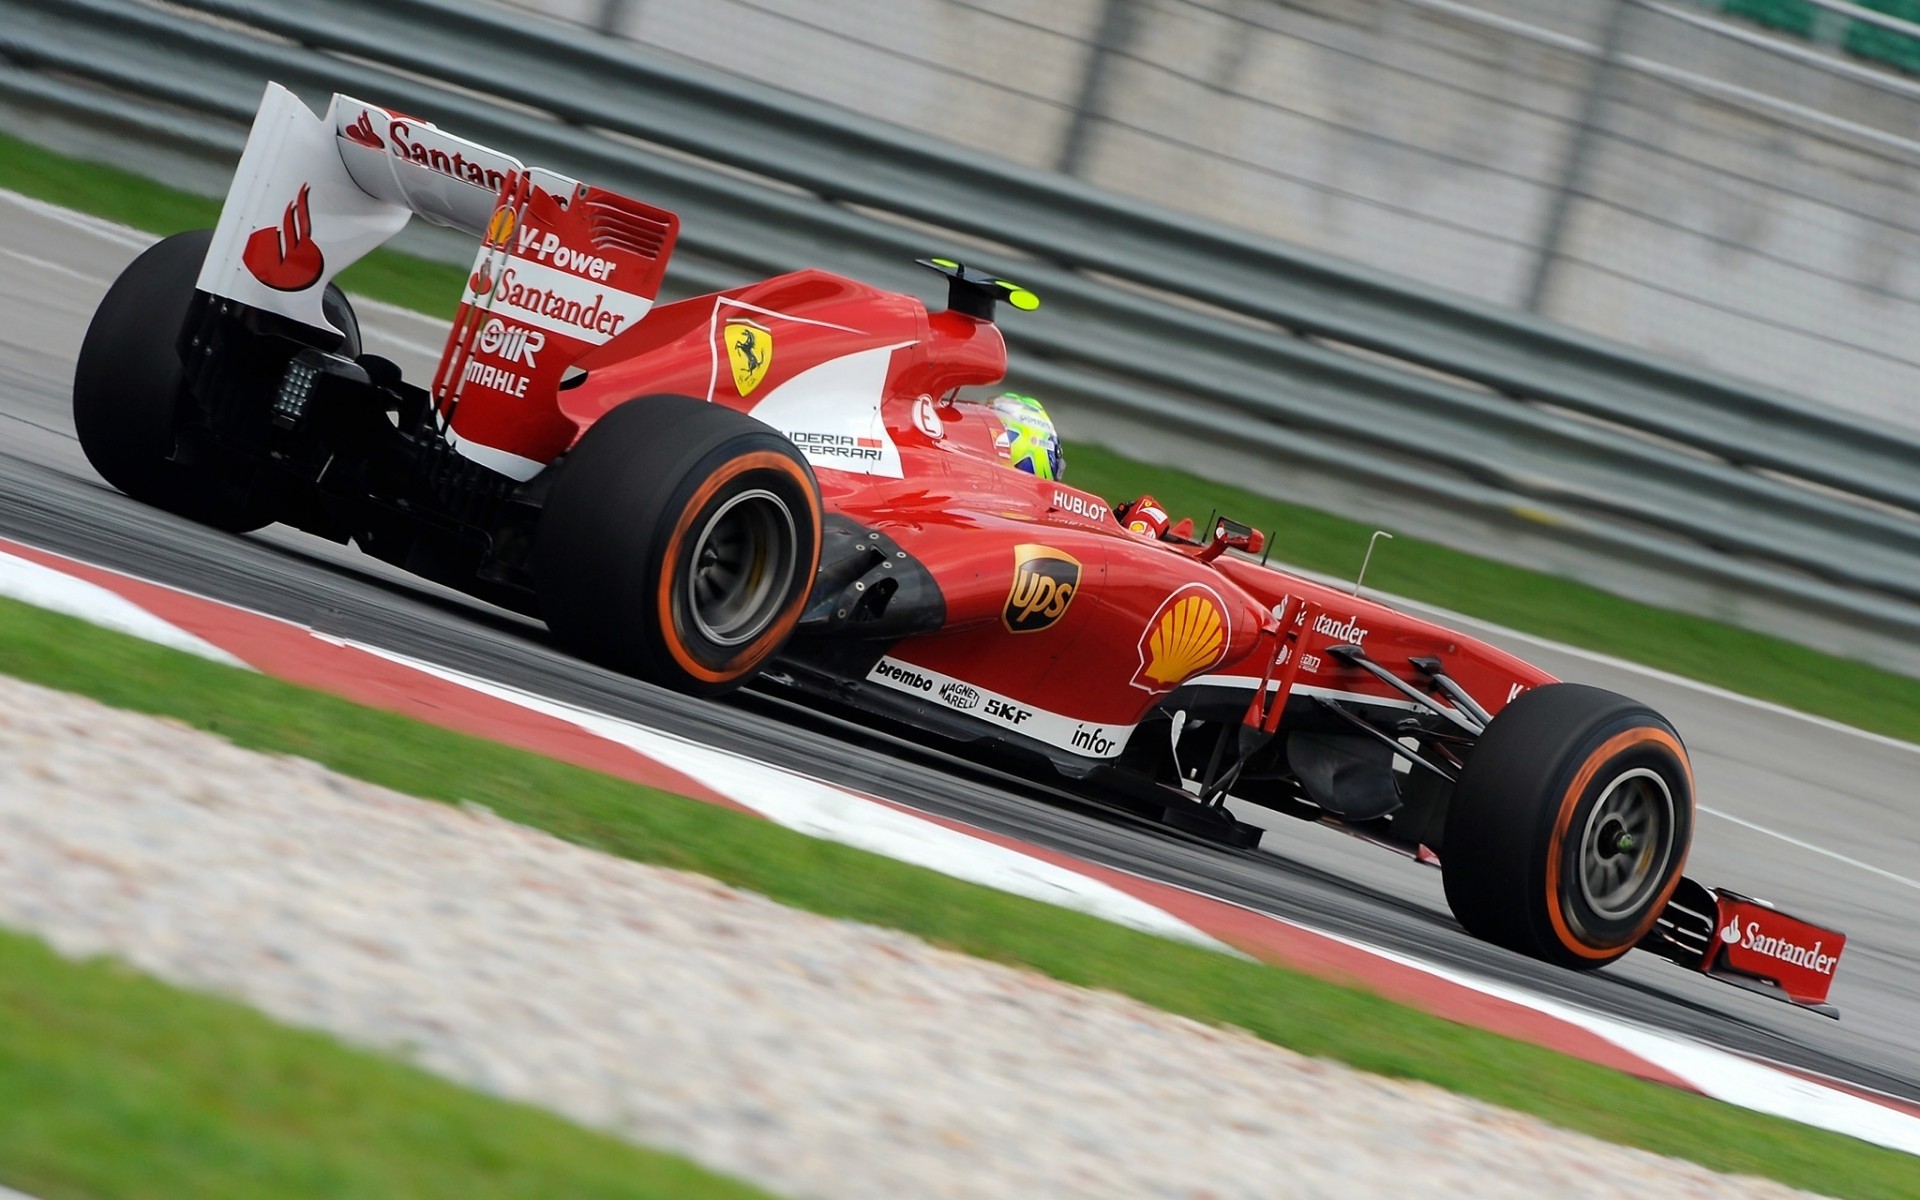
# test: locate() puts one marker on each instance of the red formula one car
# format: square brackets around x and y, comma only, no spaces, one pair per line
[784,481]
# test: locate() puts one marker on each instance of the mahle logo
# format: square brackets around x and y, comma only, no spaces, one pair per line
[1044,581]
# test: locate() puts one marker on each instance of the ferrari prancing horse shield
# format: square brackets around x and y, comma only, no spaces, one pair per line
[749,351]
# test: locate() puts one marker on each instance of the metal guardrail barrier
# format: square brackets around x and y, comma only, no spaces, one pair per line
[1148,312]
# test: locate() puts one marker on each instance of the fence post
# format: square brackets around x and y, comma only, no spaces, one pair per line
[613,13]
[1573,168]
[1118,19]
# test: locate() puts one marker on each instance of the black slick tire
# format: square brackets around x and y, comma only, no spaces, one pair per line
[1569,826]
[678,544]
[128,388]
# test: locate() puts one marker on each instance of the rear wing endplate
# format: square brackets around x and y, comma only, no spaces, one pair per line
[560,267]
[312,195]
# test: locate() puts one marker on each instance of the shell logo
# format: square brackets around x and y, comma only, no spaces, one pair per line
[500,227]
[1186,636]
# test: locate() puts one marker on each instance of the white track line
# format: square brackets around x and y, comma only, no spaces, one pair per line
[1621,664]
[46,264]
[1794,841]
[100,227]
[393,312]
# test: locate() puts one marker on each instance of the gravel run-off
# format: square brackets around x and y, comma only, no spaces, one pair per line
[814,1057]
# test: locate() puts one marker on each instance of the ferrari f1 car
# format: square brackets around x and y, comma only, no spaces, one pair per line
[784,482]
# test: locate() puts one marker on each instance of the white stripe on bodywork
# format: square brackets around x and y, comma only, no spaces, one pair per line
[513,466]
[62,593]
[838,398]
[619,311]
[1089,739]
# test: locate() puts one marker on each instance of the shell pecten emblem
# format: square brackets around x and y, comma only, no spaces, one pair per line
[749,353]
[1186,636]
[500,227]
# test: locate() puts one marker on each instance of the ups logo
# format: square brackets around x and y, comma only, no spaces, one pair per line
[1044,581]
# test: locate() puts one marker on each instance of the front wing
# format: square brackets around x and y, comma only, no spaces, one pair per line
[1748,943]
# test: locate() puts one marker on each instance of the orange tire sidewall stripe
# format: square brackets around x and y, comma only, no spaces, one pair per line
[670,633]
[1617,744]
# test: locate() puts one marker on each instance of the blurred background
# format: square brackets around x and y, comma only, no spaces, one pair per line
[1726,182]
[1617,289]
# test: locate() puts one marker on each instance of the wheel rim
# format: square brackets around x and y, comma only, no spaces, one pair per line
[1626,845]
[743,564]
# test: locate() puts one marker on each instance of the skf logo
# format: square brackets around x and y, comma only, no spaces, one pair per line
[1188,635]
[1044,581]
[285,257]
[749,351]
[1008,711]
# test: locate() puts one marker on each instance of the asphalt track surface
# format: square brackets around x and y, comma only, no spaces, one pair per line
[1820,820]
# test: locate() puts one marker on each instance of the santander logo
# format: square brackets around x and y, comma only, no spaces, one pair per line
[361,132]
[1778,948]
[285,257]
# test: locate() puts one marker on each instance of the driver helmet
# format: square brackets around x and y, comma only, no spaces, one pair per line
[1029,438]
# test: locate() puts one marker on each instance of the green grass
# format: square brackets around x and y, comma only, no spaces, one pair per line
[114,1085]
[1289,1009]
[1753,664]
[594,810]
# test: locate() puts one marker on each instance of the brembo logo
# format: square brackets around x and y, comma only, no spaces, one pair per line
[1044,581]
[888,669]
[1779,948]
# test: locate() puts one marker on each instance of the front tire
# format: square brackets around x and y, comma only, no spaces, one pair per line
[1569,826]
[678,544]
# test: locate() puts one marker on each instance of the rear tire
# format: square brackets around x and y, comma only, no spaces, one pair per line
[1569,827]
[129,388]
[678,544]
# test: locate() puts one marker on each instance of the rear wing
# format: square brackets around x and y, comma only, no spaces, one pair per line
[560,267]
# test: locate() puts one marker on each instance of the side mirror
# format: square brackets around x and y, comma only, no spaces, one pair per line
[1232,535]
